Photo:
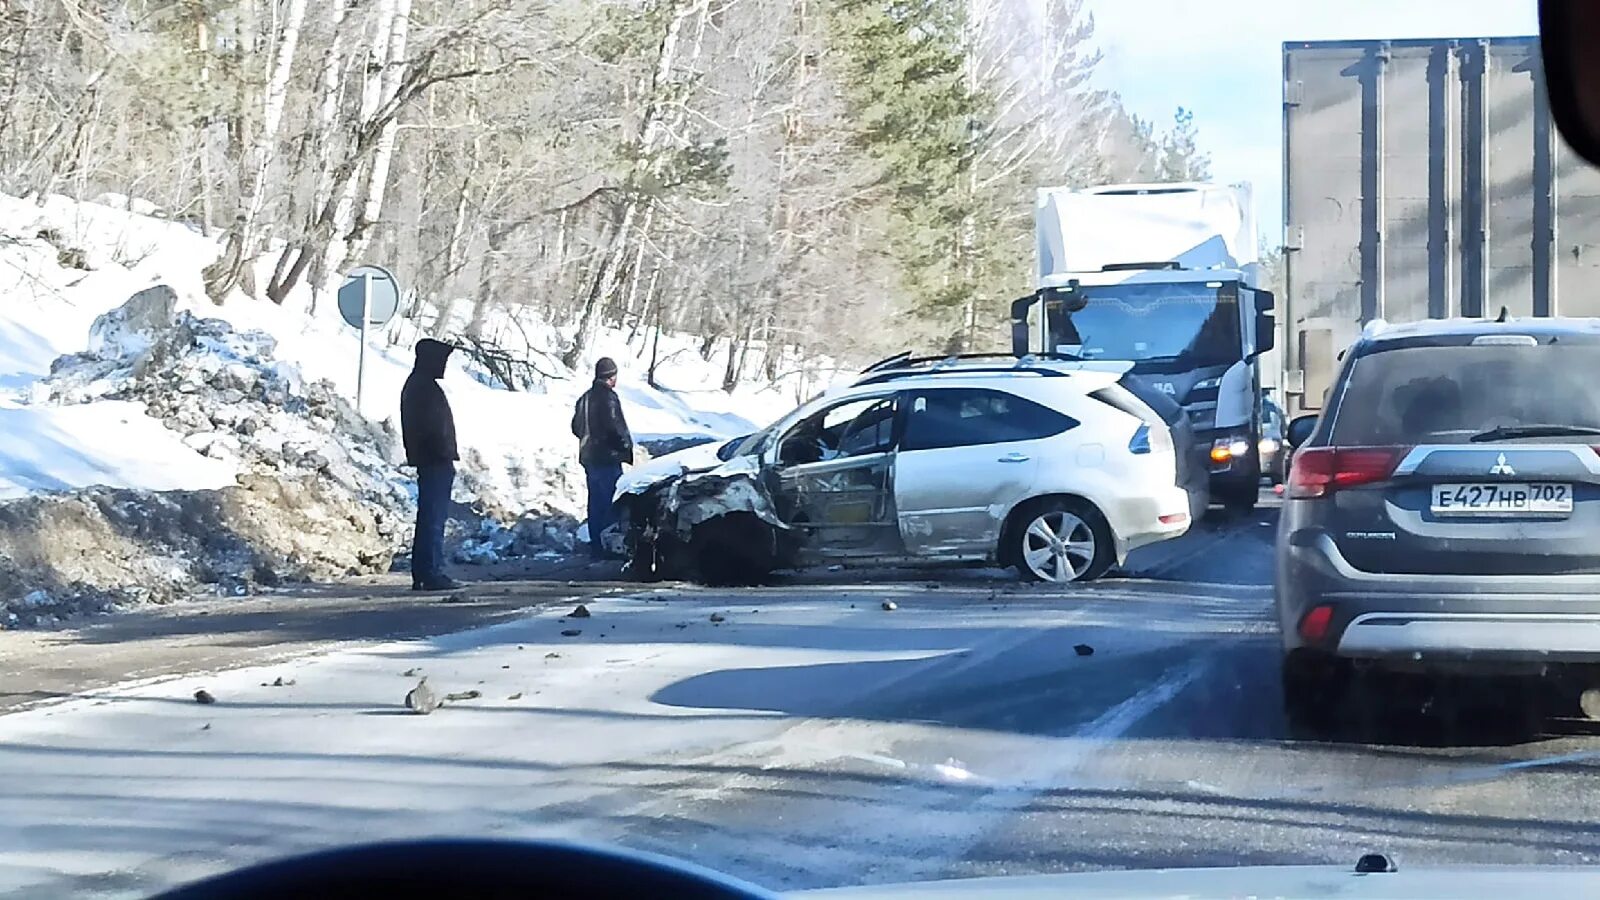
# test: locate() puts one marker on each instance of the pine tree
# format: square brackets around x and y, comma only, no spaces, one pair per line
[1181,157]
[905,85]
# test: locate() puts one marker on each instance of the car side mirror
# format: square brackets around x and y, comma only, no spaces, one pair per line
[1568,31]
[1300,430]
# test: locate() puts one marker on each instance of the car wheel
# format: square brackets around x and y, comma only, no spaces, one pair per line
[735,550]
[1314,688]
[1061,541]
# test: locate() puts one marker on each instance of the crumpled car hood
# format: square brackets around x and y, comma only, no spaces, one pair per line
[699,458]
[697,497]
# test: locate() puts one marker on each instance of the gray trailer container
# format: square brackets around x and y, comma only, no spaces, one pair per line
[1424,179]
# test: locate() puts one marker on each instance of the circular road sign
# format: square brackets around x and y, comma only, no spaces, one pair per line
[382,295]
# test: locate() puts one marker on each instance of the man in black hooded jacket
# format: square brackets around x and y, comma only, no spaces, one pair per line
[429,431]
[604,444]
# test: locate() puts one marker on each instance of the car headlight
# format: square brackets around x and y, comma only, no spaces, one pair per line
[1268,446]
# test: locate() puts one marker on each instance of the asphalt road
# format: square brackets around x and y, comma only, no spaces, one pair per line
[806,737]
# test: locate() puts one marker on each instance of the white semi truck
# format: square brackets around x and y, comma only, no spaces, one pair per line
[1165,276]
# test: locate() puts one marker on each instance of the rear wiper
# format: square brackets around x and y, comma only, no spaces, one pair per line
[1512,432]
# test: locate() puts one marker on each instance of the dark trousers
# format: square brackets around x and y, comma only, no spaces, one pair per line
[434,481]
[602,484]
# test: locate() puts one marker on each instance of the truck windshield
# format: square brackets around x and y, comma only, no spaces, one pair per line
[1160,327]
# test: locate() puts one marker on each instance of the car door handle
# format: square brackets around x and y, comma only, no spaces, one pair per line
[1015,458]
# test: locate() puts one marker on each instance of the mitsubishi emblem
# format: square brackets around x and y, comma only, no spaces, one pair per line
[1501,467]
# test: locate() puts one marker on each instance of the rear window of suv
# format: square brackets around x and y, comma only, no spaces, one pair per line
[1447,394]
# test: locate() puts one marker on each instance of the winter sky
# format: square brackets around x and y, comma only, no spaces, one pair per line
[1223,59]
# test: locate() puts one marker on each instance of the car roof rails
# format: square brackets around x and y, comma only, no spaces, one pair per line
[888,361]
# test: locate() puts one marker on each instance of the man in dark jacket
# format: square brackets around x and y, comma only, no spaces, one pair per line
[429,432]
[604,444]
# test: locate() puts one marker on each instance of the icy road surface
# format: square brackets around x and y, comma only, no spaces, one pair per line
[809,738]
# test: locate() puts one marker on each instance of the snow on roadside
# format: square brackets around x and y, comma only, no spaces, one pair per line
[68,262]
[112,443]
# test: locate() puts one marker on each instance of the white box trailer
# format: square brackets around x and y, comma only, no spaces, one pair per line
[1424,179]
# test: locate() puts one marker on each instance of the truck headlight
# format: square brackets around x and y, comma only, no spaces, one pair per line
[1227,449]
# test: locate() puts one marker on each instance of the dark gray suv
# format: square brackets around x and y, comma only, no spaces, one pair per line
[1444,511]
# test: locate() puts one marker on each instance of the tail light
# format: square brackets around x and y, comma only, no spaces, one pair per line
[1314,627]
[1320,471]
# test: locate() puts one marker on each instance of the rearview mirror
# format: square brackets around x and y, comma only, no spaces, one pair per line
[1019,324]
[1568,32]
[1071,299]
[1266,332]
[1300,430]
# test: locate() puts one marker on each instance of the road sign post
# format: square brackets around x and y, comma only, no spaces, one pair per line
[368,296]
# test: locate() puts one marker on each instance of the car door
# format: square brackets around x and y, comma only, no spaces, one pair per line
[835,479]
[966,457]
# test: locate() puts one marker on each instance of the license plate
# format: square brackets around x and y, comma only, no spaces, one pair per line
[1502,499]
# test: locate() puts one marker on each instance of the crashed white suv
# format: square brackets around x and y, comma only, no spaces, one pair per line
[1055,468]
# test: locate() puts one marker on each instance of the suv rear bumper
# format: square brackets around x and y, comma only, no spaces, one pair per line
[1412,619]
[1136,520]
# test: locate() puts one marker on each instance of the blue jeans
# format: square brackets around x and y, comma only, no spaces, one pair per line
[602,484]
[434,481]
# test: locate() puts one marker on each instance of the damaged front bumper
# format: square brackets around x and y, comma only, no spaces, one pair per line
[663,525]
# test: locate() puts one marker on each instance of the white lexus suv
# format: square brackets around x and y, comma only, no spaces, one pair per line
[1056,468]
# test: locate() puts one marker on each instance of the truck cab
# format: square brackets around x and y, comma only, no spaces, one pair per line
[1164,277]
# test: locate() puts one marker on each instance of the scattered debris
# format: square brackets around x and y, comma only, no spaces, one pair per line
[890,606]
[204,697]
[421,699]
[463,695]
[582,612]
[681,625]
[280,681]
[520,647]
[717,617]
[552,655]
[1083,650]
[516,696]
[505,667]
[572,632]
[411,673]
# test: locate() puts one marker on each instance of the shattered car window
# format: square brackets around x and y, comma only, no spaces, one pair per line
[852,428]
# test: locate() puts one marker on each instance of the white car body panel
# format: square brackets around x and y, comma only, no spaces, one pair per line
[953,503]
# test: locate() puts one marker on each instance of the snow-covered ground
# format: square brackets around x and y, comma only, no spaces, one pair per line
[63,265]
[112,443]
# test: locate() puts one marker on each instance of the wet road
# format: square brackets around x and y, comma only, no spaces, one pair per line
[804,737]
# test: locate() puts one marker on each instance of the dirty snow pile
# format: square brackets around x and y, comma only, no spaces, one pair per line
[153,444]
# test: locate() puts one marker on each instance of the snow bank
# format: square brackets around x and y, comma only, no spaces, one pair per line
[167,391]
[64,264]
[112,443]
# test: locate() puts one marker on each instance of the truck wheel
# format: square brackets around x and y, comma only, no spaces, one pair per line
[1240,496]
[1060,541]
